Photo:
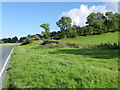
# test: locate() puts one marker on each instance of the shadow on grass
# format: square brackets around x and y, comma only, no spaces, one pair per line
[93,53]
[108,46]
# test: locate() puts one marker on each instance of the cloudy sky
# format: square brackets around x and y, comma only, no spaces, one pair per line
[80,14]
[23,18]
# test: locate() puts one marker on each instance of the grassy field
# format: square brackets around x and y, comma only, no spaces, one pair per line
[35,67]
[96,39]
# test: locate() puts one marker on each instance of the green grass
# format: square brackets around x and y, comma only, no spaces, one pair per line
[96,39]
[35,67]
[60,68]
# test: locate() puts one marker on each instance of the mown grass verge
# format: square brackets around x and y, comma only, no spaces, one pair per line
[35,67]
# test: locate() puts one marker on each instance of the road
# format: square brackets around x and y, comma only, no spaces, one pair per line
[5,53]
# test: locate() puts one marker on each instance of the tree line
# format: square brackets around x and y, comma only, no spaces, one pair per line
[9,40]
[16,40]
[97,23]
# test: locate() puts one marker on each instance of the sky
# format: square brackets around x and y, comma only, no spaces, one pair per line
[23,18]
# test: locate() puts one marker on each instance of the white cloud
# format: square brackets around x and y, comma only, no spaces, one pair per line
[79,15]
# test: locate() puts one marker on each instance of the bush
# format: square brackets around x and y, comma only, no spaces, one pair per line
[72,34]
[35,37]
[62,45]
[27,41]
[107,46]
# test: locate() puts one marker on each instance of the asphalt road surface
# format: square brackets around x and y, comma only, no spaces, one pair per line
[5,53]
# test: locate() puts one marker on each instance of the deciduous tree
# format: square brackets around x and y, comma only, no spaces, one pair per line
[65,25]
[47,29]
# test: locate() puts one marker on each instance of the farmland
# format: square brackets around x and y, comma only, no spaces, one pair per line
[33,66]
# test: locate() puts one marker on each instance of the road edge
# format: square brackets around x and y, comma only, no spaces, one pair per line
[4,67]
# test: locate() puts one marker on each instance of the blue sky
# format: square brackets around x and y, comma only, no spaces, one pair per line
[23,18]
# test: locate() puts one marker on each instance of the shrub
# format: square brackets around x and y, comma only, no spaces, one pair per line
[107,46]
[62,45]
[35,37]
[72,34]
[27,41]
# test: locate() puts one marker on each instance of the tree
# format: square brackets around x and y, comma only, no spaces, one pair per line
[14,39]
[109,15]
[112,21]
[77,29]
[72,32]
[74,27]
[84,30]
[9,40]
[96,20]
[5,40]
[53,34]
[65,25]
[91,30]
[59,35]
[47,29]
[22,39]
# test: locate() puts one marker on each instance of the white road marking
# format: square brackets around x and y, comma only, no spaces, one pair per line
[5,63]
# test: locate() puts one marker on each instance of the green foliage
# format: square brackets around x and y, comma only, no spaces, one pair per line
[22,39]
[91,30]
[65,25]
[10,40]
[27,41]
[99,23]
[72,33]
[109,15]
[47,29]
[35,37]
[6,40]
[96,21]
[14,39]
[112,21]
